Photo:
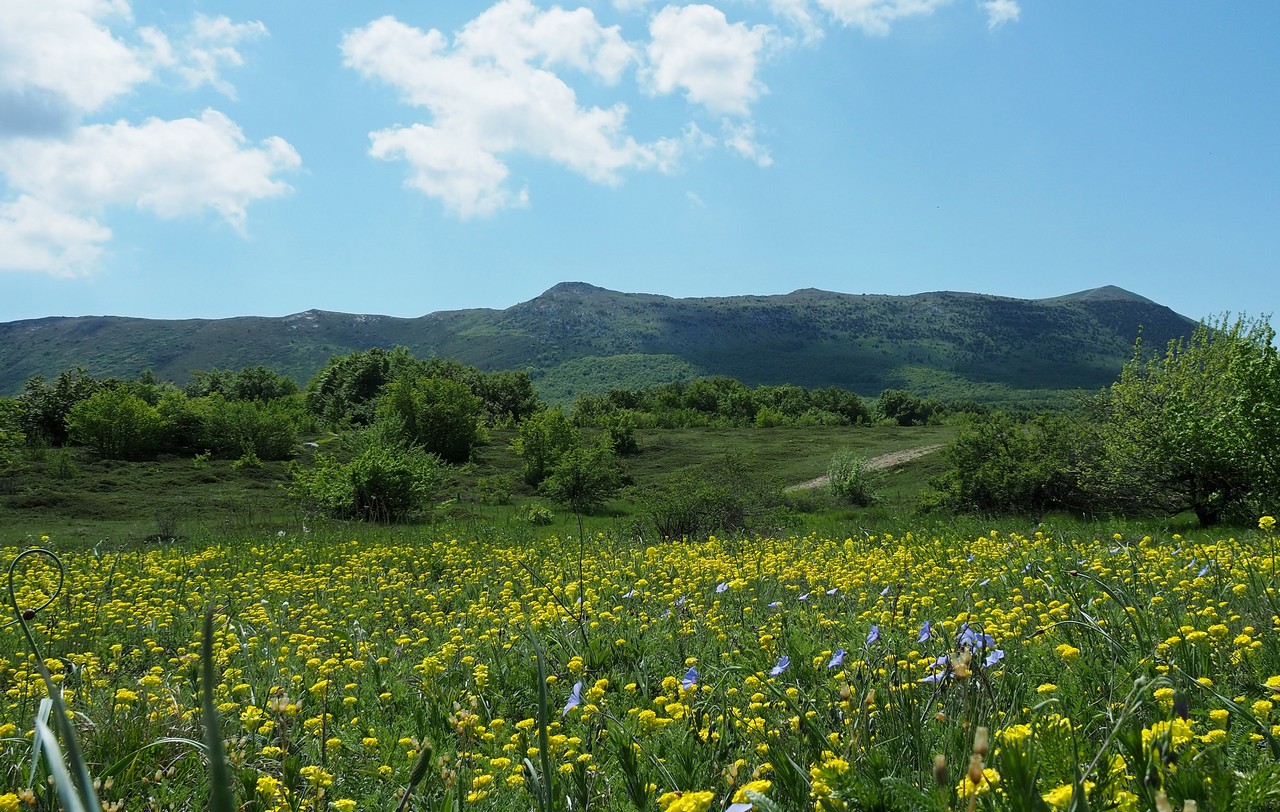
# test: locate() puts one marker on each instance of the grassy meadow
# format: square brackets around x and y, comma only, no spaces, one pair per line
[939,669]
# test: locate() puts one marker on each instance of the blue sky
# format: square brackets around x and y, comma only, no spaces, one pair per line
[184,159]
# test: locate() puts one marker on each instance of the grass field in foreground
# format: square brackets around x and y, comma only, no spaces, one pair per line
[822,673]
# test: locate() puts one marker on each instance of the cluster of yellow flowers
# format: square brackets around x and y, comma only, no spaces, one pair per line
[337,659]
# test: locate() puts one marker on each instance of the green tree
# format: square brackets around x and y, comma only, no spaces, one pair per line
[440,415]
[45,406]
[543,438]
[1196,428]
[116,425]
[998,464]
[583,478]
[347,389]
[12,438]
[906,409]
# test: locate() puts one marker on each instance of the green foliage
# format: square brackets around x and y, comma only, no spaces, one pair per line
[509,396]
[724,495]
[439,415]
[12,438]
[543,438]
[998,464]
[851,480]
[116,425]
[382,483]
[583,478]
[1197,428]
[347,389]
[251,383]
[537,515]
[45,406]
[266,429]
[906,409]
[723,402]
[620,427]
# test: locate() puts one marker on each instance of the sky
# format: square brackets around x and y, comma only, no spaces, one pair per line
[213,158]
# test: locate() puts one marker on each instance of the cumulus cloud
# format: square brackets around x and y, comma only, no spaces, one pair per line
[170,168]
[697,50]
[64,60]
[497,89]
[1000,12]
[35,236]
[65,50]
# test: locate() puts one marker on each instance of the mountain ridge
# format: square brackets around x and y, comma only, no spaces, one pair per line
[577,337]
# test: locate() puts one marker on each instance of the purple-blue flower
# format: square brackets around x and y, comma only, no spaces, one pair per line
[833,590]
[722,586]
[775,604]
[680,600]
[884,592]
[804,597]
[837,659]
[784,662]
[690,678]
[926,632]
[874,634]
[994,657]
[575,698]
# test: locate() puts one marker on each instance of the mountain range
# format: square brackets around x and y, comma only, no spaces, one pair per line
[578,338]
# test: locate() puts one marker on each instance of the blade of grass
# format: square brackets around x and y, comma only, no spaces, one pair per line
[219,775]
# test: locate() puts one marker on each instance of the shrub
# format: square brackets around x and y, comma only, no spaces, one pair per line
[116,425]
[582,479]
[440,415]
[543,438]
[724,495]
[383,483]
[851,480]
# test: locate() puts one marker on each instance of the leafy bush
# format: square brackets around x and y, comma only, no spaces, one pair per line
[236,428]
[1197,428]
[543,439]
[582,479]
[12,438]
[116,425]
[440,415]
[1000,465]
[383,483]
[45,406]
[723,495]
[851,480]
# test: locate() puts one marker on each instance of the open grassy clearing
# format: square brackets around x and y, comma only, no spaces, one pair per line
[71,495]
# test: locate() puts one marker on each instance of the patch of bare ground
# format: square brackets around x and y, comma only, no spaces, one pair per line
[883,462]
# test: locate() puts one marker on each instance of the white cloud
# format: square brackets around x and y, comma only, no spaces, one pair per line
[65,49]
[493,91]
[63,60]
[211,46]
[697,50]
[35,236]
[171,168]
[740,137]
[1000,12]
[796,12]
[877,16]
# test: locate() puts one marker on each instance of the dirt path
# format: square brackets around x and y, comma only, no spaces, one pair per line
[885,461]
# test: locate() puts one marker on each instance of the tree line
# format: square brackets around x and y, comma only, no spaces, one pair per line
[1194,427]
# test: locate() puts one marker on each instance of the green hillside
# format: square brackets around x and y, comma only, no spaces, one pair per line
[578,338]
